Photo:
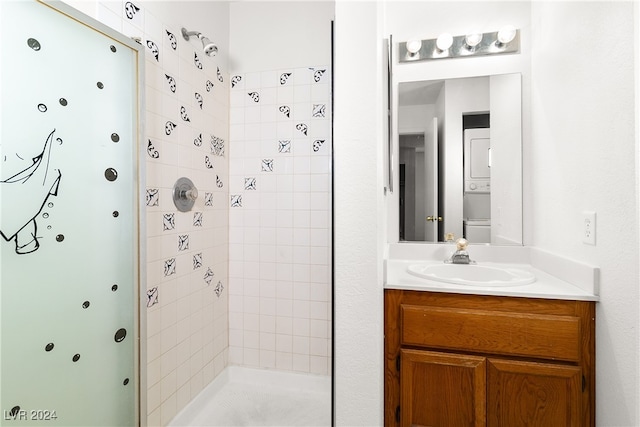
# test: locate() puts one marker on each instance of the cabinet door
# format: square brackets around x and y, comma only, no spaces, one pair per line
[533,394]
[442,390]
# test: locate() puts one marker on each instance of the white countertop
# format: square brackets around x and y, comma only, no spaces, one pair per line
[570,280]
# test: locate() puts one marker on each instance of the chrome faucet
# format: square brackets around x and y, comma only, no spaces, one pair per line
[460,256]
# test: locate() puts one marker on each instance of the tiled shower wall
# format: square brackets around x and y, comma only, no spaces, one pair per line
[186,134]
[279,236]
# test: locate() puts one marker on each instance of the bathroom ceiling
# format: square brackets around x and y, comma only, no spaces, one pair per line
[419,93]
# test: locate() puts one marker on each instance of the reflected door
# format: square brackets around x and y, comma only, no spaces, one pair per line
[68,221]
[431,182]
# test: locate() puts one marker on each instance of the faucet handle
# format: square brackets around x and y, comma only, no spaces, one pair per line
[461,244]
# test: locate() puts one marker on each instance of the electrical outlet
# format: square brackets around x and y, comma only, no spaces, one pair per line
[589,228]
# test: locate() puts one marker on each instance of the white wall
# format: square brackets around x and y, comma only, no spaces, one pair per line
[583,158]
[359,215]
[415,118]
[273,35]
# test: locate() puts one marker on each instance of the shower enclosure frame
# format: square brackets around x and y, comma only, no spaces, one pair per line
[140,324]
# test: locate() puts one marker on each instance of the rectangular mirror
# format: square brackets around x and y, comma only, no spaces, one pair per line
[460,159]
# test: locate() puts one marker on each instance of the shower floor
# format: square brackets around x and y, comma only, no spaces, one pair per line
[256,397]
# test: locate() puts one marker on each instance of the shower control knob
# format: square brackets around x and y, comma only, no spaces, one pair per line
[184,194]
[191,194]
[473,186]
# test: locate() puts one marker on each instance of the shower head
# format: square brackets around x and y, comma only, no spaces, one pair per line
[210,49]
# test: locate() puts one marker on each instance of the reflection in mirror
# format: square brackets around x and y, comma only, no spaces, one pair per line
[460,166]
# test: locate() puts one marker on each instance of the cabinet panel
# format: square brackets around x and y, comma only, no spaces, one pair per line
[533,394]
[521,334]
[440,348]
[441,390]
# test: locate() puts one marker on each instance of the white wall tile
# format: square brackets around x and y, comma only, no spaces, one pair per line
[319,292]
[284,95]
[267,341]
[284,326]
[301,310]
[236,355]
[251,287]
[284,343]
[268,113]
[302,255]
[283,234]
[269,79]
[251,357]
[284,219]
[252,131]
[268,323]
[319,218]
[168,386]
[251,340]
[284,254]
[268,184]
[153,398]
[300,363]
[268,288]
[268,306]
[318,365]
[319,255]
[284,361]
[268,253]
[301,273]
[301,327]
[318,347]
[251,305]
[318,328]
[301,345]
[284,308]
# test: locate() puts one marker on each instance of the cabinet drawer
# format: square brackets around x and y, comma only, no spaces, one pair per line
[521,334]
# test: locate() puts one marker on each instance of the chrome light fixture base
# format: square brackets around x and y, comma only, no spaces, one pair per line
[488,45]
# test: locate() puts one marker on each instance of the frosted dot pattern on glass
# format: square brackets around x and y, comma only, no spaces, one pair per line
[68,219]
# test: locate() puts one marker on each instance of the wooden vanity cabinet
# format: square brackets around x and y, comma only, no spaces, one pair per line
[474,360]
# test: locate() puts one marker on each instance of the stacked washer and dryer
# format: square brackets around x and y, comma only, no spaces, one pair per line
[477,186]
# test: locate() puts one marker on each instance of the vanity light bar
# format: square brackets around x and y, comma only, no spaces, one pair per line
[490,44]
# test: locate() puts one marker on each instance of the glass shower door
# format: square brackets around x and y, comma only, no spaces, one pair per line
[68,221]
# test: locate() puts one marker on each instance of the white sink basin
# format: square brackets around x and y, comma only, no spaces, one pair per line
[473,274]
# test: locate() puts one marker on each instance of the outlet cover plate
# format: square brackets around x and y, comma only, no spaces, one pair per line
[589,227]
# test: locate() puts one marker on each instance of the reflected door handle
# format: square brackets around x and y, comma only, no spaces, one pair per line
[434,218]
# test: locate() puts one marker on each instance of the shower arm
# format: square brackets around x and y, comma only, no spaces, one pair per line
[187,34]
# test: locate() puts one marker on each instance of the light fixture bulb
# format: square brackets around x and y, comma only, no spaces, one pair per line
[444,41]
[472,40]
[506,34]
[413,46]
